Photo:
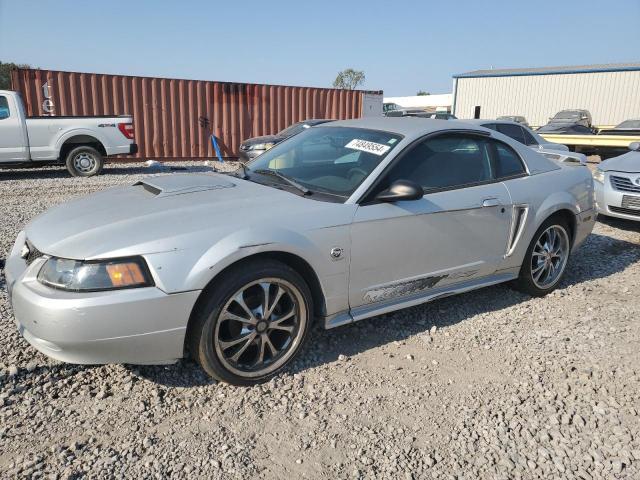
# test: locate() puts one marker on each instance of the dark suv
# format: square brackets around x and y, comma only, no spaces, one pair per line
[253,147]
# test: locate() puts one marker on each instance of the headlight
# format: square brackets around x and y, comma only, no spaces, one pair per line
[598,175]
[261,146]
[98,275]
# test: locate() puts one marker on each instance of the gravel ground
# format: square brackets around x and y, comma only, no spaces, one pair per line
[490,384]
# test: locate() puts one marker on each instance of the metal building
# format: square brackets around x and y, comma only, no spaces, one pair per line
[174,119]
[610,92]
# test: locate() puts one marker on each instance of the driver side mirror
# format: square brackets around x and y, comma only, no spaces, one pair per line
[401,190]
[635,146]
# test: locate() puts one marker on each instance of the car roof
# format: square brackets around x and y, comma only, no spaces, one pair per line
[407,126]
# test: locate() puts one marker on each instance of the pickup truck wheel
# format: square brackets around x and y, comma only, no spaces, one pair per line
[84,161]
[251,323]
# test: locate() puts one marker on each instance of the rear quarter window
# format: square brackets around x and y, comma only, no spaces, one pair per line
[508,162]
[528,138]
[4,107]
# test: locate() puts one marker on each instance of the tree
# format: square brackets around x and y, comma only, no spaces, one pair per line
[349,79]
[5,74]
[422,93]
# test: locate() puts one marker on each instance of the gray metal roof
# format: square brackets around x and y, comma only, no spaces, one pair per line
[509,72]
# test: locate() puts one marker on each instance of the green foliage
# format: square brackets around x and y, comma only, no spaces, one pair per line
[349,79]
[422,93]
[5,74]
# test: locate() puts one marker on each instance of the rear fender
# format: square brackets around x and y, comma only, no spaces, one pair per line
[74,132]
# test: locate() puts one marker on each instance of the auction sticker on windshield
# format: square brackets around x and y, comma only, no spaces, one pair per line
[369,147]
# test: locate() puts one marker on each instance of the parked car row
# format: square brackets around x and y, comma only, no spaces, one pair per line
[416,112]
[578,122]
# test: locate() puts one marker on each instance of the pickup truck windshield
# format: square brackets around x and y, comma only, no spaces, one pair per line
[333,160]
[568,114]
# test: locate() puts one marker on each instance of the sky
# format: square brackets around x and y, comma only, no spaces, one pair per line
[401,46]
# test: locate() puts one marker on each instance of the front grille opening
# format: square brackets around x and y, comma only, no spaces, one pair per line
[625,211]
[629,201]
[624,184]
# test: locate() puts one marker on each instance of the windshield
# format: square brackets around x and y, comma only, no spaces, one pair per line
[569,114]
[333,160]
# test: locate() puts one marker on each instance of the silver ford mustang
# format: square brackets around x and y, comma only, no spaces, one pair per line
[340,223]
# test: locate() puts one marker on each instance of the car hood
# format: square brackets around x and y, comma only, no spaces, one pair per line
[629,163]
[171,212]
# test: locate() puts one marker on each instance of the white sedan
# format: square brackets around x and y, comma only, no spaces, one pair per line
[617,185]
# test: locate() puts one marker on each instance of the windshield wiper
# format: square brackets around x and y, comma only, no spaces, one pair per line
[281,176]
[245,175]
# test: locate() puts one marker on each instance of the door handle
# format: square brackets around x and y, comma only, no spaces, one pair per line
[490,202]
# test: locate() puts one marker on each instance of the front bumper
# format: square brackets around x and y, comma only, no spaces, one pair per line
[615,203]
[138,326]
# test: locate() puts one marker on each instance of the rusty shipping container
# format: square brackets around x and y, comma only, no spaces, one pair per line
[174,119]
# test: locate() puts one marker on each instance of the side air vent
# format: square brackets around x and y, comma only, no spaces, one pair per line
[518,221]
[149,188]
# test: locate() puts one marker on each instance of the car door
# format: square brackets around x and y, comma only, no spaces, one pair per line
[457,232]
[13,142]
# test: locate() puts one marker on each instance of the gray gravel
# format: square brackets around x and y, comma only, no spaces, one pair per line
[490,384]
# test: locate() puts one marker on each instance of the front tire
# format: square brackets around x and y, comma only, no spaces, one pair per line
[252,323]
[84,161]
[546,258]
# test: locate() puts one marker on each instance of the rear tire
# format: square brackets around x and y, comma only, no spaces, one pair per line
[546,258]
[251,323]
[84,161]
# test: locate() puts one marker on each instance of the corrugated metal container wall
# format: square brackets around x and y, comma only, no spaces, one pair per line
[174,119]
[611,97]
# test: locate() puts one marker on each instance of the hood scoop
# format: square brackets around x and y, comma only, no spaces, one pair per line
[180,184]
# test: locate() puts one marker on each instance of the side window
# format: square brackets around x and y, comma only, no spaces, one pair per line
[4,107]
[528,138]
[444,162]
[508,163]
[512,131]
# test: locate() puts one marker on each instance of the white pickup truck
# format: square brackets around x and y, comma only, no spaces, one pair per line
[81,143]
